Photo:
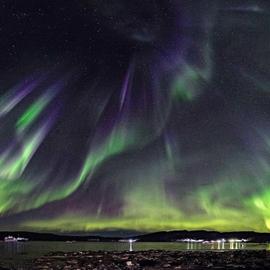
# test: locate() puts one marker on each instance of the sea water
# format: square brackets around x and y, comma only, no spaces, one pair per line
[19,255]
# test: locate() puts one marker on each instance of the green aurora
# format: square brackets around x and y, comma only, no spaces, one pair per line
[153,129]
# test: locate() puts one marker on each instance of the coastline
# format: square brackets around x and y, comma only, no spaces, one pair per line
[155,259]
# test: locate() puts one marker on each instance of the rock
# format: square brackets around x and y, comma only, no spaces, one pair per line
[129,263]
[146,262]
[154,259]
[72,262]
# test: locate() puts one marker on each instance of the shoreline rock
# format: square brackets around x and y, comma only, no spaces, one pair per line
[154,259]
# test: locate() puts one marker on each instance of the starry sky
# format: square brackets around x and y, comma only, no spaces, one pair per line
[138,115]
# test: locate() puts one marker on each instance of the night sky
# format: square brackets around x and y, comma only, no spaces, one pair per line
[134,115]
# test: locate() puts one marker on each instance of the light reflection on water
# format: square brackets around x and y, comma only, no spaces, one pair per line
[225,246]
[18,255]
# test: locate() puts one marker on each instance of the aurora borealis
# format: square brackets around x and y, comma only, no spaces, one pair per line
[135,115]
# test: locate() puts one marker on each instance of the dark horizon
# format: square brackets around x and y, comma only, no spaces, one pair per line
[169,235]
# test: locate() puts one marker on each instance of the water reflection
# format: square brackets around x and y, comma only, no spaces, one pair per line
[220,244]
[215,246]
[14,248]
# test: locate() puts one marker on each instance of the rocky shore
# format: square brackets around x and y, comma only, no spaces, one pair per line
[155,259]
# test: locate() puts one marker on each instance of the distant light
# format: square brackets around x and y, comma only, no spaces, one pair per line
[131,240]
[235,240]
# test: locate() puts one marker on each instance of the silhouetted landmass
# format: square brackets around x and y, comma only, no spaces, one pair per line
[165,236]
[205,235]
[56,237]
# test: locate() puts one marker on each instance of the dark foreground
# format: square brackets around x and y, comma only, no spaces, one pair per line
[154,259]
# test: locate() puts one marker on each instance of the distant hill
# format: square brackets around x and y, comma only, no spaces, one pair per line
[55,237]
[164,236]
[205,235]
